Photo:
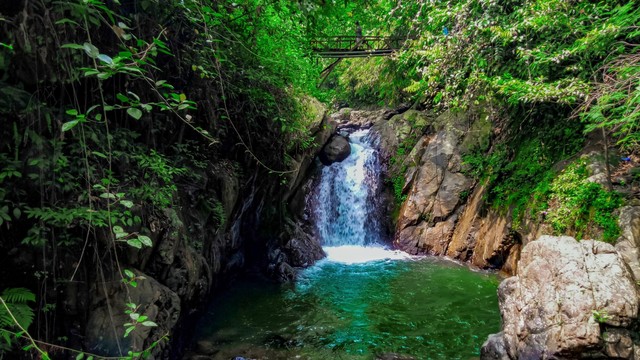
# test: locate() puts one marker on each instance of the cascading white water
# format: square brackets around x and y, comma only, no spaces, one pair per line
[360,301]
[347,204]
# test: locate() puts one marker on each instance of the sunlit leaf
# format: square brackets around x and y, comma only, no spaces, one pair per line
[134,113]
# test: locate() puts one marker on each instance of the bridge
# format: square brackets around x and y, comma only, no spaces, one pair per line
[354,47]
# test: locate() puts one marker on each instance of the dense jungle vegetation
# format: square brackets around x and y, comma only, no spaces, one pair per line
[114,111]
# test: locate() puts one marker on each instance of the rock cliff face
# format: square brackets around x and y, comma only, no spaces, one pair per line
[197,247]
[629,242]
[443,212]
[570,299]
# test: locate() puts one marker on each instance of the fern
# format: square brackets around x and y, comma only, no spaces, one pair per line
[16,300]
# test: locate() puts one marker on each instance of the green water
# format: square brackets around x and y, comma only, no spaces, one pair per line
[426,309]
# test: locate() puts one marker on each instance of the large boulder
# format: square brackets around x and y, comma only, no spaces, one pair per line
[566,296]
[336,150]
[105,325]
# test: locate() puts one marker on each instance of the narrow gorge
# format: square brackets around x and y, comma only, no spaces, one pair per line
[311,179]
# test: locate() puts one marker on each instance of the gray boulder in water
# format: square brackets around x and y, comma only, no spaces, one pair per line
[336,150]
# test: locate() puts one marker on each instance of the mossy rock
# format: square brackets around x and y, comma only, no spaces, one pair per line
[478,137]
[314,112]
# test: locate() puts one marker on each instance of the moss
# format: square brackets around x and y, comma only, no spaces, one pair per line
[478,137]
[580,207]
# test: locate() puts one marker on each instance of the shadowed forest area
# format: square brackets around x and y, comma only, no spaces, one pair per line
[153,150]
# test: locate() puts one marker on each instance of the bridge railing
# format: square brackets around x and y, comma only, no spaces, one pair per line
[349,43]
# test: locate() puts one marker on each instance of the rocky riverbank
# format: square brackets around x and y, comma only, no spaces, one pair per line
[568,299]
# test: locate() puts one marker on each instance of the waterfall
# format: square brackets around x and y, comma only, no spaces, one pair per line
[347,199]
[346,212]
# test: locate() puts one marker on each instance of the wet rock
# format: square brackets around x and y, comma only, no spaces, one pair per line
[494,348]
[347,118]
[564,293]
[444,212]
[283,272]
[156,301]
[336,150]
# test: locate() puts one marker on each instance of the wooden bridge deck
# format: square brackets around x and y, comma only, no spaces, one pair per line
[352,46]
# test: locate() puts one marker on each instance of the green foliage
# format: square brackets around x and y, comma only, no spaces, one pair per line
[578,205]
[15,306]
[524,52]
[519,172]
[136,319]
[600,316]
[157,179]
[111,109]
[615,102]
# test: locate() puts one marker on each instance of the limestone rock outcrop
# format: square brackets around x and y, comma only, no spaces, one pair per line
[427,217]
[570,299]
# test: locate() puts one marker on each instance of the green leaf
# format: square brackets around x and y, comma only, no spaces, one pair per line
[69,125]
[135,243]
[134,316]
[17,213]
[69,21]
[127,203]
[99,154]
[80,356]
[134,113]
[129,274]
[145,240]
[105,59]
[149,323]
[118,229]
[128,330]
[5,216]
[122,97]
[72,46]
[107,196]
[91,50]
